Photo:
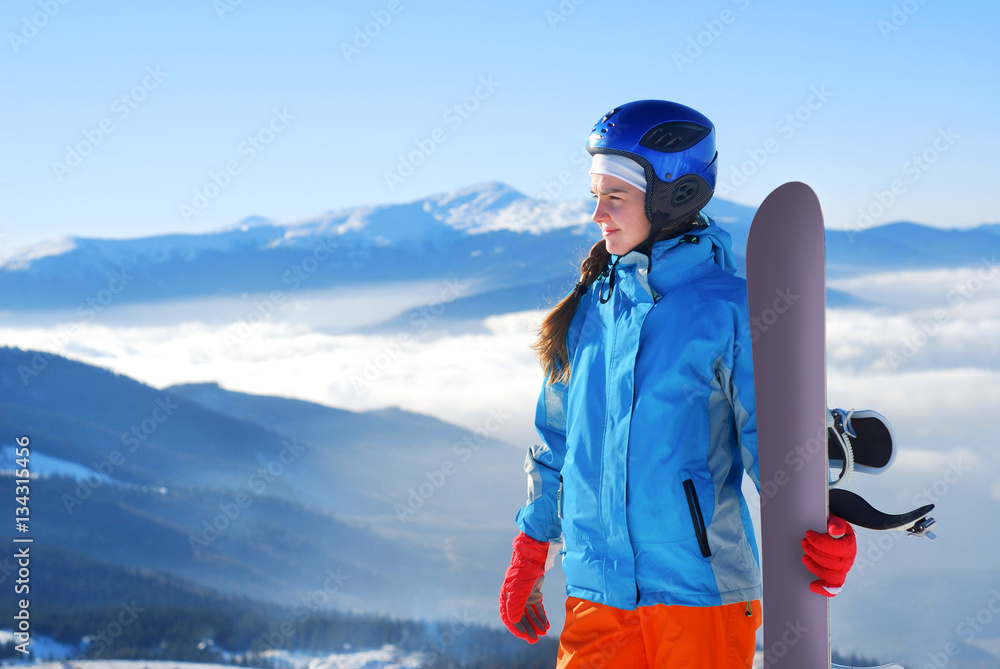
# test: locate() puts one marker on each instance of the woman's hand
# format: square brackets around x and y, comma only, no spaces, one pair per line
[521,594]
[830,556]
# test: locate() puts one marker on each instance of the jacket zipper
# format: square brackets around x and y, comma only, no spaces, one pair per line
[559,494]
[696,518]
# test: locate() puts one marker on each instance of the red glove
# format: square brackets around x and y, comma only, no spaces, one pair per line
[521,594]
[830,556]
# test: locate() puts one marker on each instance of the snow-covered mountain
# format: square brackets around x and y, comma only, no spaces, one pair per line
[177,312]
[489,231]
[480,231]
[259,496]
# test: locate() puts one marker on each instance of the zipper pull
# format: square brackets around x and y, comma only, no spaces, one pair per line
[559,499]
[749,610]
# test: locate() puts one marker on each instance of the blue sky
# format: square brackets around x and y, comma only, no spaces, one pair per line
[196,114]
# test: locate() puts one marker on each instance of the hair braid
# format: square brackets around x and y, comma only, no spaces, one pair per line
[551,343]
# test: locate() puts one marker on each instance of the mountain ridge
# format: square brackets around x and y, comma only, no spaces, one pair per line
[479,232]
[255,495]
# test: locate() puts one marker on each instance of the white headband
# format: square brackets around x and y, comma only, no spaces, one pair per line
[621,167]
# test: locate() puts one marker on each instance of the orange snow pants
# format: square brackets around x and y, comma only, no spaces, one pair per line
[658,637]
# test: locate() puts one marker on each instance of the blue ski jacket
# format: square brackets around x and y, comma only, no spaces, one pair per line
[645,447]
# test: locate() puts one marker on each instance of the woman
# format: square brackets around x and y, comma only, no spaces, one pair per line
[647,418]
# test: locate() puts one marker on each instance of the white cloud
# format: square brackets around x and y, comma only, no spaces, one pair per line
[941,398]
[457,378]
[928,289]
[898,344]
[925,461]
[328,347]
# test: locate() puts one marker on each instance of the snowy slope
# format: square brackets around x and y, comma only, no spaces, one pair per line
[45,465]
[42,647]
[385,658]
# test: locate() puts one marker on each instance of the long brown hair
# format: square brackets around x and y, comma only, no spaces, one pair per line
[551,343]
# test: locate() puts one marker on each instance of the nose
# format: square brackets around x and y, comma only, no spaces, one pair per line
[600,212]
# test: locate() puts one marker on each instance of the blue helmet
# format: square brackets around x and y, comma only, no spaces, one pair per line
[675,146]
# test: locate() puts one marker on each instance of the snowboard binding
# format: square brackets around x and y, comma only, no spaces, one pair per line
[859,441]
[862,441]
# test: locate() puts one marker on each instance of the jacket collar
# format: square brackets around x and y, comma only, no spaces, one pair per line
[678,260]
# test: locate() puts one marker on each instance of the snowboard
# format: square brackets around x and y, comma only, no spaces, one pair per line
[785,268]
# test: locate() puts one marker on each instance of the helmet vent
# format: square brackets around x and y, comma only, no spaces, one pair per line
[674,136]
[609,115]
[684,190]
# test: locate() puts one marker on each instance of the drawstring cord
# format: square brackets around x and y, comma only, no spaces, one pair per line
[611,282]
[646,247]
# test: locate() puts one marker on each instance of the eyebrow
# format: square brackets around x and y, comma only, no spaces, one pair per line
[605,191]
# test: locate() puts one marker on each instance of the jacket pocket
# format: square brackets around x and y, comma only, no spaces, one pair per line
[696,518]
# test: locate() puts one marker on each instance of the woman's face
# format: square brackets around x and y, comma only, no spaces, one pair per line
[621,213]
